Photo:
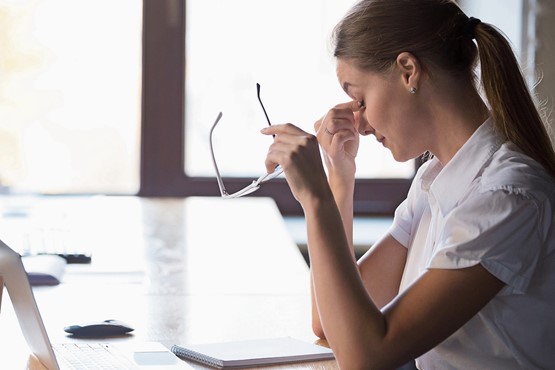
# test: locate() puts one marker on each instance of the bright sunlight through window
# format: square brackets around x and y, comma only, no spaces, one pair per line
[70,93]
[284,46]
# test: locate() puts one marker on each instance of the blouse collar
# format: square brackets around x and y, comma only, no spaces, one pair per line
[449,183]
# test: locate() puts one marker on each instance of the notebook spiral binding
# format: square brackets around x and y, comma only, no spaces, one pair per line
[195,356]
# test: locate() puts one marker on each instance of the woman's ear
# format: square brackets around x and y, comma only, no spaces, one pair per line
[410,69]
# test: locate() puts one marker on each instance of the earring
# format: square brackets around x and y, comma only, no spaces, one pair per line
[412,90]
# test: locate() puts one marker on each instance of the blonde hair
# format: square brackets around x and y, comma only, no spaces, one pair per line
[440,35]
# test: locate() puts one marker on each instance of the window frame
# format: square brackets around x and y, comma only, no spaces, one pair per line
[162,150]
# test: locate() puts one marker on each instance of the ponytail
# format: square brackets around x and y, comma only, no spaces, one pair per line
[514,112]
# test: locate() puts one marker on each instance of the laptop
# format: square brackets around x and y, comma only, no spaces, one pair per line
[72,355]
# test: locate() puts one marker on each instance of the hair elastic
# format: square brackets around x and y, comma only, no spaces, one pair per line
[470,27]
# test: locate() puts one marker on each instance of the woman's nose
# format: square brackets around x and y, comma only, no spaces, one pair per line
[364,127]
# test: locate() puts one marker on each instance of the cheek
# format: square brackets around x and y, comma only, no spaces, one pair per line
[383,108]
[376,113]
[409,139]
[392,114]
[402,121]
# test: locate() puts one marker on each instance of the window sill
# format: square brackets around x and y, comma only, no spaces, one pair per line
[366,231]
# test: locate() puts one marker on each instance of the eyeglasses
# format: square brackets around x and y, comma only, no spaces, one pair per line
[255,185]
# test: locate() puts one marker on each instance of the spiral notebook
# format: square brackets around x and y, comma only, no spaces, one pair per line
[228,355]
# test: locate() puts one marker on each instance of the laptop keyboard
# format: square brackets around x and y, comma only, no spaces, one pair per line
[86,356]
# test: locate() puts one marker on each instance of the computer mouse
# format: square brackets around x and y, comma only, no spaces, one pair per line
[106,328]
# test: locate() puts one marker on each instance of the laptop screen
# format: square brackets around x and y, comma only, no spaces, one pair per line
[15,279]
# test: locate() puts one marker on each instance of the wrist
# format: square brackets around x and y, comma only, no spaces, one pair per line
[341,169]
[342,185]
[315,201]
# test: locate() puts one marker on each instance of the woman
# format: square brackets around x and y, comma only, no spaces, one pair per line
[465,277]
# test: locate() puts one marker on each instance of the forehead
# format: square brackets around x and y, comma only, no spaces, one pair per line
[351,77]
[346,69]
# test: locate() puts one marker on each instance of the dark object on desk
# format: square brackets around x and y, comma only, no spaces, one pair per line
[41,279]
[58,241]
[44,269]
[107,328]
[70,257]
[75,257]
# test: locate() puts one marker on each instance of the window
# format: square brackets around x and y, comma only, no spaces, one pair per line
[512,18]
[284,46]
[70,94]
[74,89]
[199,61]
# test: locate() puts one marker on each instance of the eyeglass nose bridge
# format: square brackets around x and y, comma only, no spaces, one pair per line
[245,191]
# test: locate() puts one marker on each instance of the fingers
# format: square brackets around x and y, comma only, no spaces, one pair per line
[337,132]
[288,138]
[286,128]
[339,143]
[352,105]
[343,109]
[336,123]
[341,117]
[318,123]
[299,156]
[277,155]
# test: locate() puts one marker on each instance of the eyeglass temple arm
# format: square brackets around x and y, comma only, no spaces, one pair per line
[262,105]
[218,176]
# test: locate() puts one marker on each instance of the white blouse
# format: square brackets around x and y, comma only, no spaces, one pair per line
[490,205]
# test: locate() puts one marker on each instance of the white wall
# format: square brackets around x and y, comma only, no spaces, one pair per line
[545,56]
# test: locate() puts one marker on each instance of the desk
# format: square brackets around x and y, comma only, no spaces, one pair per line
[178,270]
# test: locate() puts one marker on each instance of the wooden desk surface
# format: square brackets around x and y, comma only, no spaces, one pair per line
[178,270]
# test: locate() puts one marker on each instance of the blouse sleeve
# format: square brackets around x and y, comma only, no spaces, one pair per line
[498,229]
[401,227]
[408,213]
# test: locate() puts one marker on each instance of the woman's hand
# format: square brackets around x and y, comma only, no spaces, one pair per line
[338,136]
[298,153]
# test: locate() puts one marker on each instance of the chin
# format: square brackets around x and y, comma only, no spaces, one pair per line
[405,154]
[401,157]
